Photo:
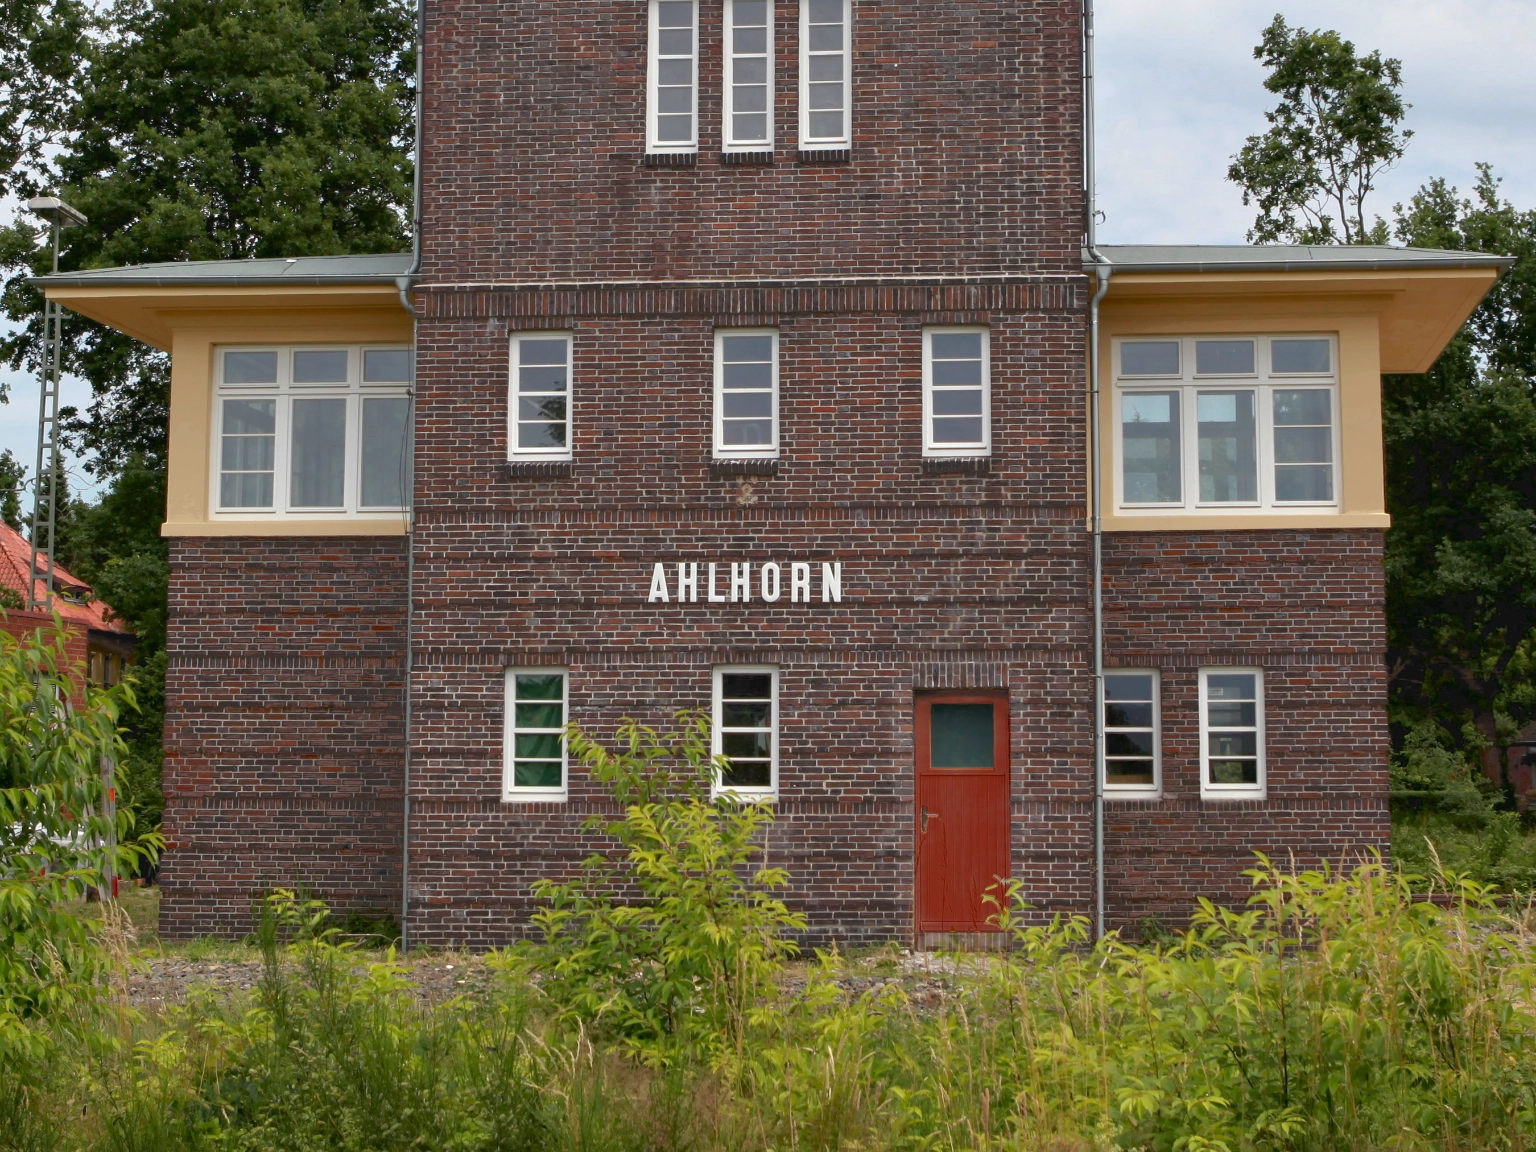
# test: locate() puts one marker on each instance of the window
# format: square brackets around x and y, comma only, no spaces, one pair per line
[746,729]
[535,753]
[312,431]
[957,408]
[1132,742]
[673,118]
[541,397]
[746,392]
[748,75]
[1231,732]
[826,90]
[1210,425]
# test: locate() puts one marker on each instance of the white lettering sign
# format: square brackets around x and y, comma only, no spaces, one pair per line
[738,585]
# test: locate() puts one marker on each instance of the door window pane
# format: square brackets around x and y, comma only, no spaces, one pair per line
[745,729]
[824,65]
[541,366]
[384,451]
[1130,729]
[246,453]
[1229,470]
[750,89]
[1304,444]
[673,73]
[537,733]
[747,402]
[1231,727]
[960,736]
[1149,447]
[318,454]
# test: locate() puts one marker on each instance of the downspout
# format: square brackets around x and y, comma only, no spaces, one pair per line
[404,284]
[1102,269]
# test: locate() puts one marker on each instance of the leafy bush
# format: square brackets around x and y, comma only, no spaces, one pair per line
[670,945]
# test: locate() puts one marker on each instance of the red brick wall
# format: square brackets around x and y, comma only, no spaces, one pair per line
[284,728]
[24,625]
[966,156]
[1307,607]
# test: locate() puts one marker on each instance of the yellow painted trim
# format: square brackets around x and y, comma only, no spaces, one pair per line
[1258,522]
[285,527]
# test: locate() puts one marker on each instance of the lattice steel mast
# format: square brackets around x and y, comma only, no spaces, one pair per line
[45,496]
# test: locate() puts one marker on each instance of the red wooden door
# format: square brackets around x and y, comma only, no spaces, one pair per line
[962,808]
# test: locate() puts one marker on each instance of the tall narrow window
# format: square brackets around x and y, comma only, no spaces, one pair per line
[1149,438]
[1131,745]
[956,385]
[746,729]
[1228,433]
[1231,731]
[541,397]
[749,75]
[535,752]
[246,460]
[1303,445]
[826,91]
[674,76]
[312,432]
[746,393]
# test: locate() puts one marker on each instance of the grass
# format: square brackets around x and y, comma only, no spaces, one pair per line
[1497,849]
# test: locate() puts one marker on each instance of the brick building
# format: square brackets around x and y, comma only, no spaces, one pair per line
[751,375]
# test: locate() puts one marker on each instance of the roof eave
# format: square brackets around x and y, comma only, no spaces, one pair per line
[67,281]
[1210,266]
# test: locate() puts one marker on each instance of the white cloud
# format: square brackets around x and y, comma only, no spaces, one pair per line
[1179,91]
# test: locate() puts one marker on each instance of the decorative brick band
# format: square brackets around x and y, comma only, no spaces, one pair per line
[824,155]
[520,469]
[962,465]
[524,303]
[1021,512]
[728,468]
[746,157]
[670,159]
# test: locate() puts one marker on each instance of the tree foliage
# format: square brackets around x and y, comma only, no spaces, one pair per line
[1333,133]
[1461,487]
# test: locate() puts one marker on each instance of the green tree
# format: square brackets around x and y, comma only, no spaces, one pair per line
[1461,487]
[41,45]
[1333,133]
[13,478]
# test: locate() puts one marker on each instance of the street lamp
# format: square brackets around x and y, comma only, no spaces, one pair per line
[45,497]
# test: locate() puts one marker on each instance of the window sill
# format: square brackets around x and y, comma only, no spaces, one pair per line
[1254,521]
[534,469]
[670,159]
[758,158]
[536,798]
[957,465]
[1234,795]
[825,155]
[745,466]
[397,525]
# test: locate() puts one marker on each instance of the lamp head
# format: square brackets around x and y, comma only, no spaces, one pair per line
[55,211]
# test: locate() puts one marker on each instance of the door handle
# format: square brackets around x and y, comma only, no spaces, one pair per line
[926,817]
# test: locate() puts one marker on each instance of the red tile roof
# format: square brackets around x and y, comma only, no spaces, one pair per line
[69,593]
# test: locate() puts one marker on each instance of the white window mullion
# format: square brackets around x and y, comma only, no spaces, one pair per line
[749,66]
[673,105]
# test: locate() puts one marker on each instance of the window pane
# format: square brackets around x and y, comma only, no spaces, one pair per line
[746,686]
[1231,686]
[247,453]
[319,453]
[538,745]
[1149,358]
[1228,447]
[746,433]
[250,417]
[957,402]
[746,376]
[960,735]
[748,404]
[1128,743]
[826,96]
[675,14]
[749,98]
[674,129]
[748,774]
[749,40]
[1149,447]
[537,774]
[1234,743]
[750,127]
[957,430]
[1234,771]
[826,125]
[385,466]
[1132,686]
[245,490]
[674,100]
[1231,714]
[826,37]
[1303,445]
[541,408]
[386,365]
[542,351]
[326,367]
[540,686]
[1130,772]
[743,349]
[250,367]
[1224,357]
[825,68]
[750,745]
[540,435]
[947,372]
[1303,406]
[1312,482]
[540,715]
[541,378]
[1300,356]
[1118,714]
[826,11]
[956,345]
[746,714]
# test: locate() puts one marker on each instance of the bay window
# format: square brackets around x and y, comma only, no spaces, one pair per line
[1226,423]
[311,431]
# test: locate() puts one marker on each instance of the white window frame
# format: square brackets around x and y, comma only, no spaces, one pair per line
[283,393]
[1208,790]
[740,451]
[514,362]
[1263,382]
[1142,791]
[807,142]
[511,793]
[653,77]
[728,120]
[716,735]
[945,451]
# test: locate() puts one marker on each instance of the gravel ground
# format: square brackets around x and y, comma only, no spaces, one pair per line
[161,981]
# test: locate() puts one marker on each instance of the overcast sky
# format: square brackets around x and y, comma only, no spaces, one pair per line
[1179,91]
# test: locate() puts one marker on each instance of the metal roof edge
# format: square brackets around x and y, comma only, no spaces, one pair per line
[1369,264]
[71,280]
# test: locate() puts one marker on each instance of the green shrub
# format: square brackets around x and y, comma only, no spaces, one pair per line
[671,944]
